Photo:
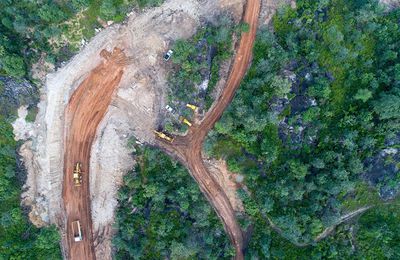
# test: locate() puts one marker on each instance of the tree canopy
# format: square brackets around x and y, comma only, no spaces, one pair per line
[163,214]
[313,115]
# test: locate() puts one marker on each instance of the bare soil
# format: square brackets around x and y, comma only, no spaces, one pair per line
[134,109]
[227,181]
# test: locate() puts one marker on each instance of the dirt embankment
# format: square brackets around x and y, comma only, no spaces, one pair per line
[228,181]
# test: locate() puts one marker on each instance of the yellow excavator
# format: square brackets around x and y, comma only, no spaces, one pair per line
[78,174]
[164,136]
[192,107]
[184,120]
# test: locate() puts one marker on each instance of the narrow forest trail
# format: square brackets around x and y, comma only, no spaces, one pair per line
[326,232]
[188,148]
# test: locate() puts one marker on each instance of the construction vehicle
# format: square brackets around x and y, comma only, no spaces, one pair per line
[78,174]
[184,120]
[192,107]
[164,136]
[76,230]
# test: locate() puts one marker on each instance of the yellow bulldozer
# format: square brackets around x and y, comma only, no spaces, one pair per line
[164,136]
[192,107]
[78,174]
[184,120]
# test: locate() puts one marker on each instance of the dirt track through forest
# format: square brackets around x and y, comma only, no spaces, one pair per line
[188,148]
[83,114]
[87,108]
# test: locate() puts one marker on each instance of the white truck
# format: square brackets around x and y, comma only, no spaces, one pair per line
[76,230]
[168,55]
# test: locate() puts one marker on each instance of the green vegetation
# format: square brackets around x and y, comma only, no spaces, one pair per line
[30,29]
[163,215]
[308,129]
[197,60]
[195,69]
[310,121]
[32,112]
[19,239]
[373,237]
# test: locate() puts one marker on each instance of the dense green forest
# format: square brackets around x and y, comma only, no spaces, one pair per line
[163,215]
[373,236]
[197,60]
[315,127]
[30,29]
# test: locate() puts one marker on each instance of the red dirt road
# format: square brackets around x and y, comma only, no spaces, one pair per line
[188,148]
[87,108]
[83,114]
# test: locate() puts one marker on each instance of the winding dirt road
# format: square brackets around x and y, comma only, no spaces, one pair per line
[188,148]
[83,114]
[87,108]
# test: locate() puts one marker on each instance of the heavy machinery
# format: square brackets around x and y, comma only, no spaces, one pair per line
[184,120]
[76,230]
[77,174]
[164,136]
[192,107]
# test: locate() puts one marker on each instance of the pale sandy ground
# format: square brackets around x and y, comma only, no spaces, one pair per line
[229,181]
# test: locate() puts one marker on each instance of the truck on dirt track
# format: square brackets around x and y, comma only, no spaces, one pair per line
[76,230]
[77,174]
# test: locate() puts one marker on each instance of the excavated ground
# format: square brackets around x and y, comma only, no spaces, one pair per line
[93,133]
[228,181]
